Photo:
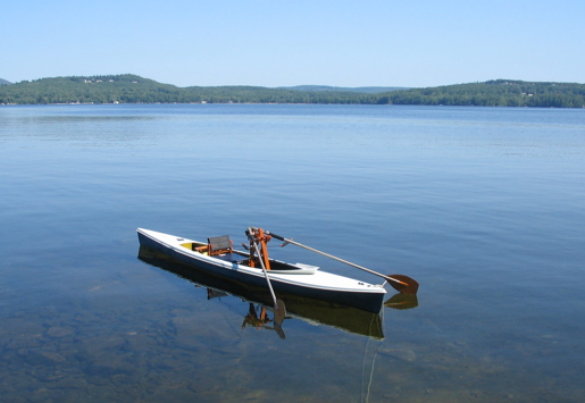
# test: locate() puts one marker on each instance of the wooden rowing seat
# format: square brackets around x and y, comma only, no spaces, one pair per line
[219,245]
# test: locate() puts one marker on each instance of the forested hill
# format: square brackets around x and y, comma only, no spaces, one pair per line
[494,93]
[134,89]
[128,88]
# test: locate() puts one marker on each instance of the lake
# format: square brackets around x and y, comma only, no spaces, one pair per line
[484,207]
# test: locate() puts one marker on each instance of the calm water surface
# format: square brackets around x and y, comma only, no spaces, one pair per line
[484,207]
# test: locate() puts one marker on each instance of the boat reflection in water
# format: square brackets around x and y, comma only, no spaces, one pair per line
[259,301]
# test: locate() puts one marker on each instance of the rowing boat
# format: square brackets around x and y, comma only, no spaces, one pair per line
[218,258]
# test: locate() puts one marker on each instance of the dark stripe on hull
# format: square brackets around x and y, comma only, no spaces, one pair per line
[371,302]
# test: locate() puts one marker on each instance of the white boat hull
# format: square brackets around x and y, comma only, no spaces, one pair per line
[303,280]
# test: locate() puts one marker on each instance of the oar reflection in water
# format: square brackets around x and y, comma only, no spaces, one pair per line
[402,301]
[261,320]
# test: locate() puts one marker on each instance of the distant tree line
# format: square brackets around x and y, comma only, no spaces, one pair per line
[494,93]
[134,89]
[130,88]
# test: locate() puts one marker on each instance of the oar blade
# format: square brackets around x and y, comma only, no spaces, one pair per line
[407,285]
[279,312]
[280,332]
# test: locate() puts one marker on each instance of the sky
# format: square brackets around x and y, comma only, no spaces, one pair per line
[281,43]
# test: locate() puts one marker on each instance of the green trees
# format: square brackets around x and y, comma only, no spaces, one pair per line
[128,88]
[495,93]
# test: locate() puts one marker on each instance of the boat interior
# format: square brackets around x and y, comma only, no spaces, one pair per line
[221,247]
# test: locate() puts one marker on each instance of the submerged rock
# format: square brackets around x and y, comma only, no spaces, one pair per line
[59,331]
[404,354]
[53,357]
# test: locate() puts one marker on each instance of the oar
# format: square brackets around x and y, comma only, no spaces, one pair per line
[279,308]
[400,282]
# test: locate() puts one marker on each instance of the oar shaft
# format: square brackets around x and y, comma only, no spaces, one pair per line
[266,275]
[357,266]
